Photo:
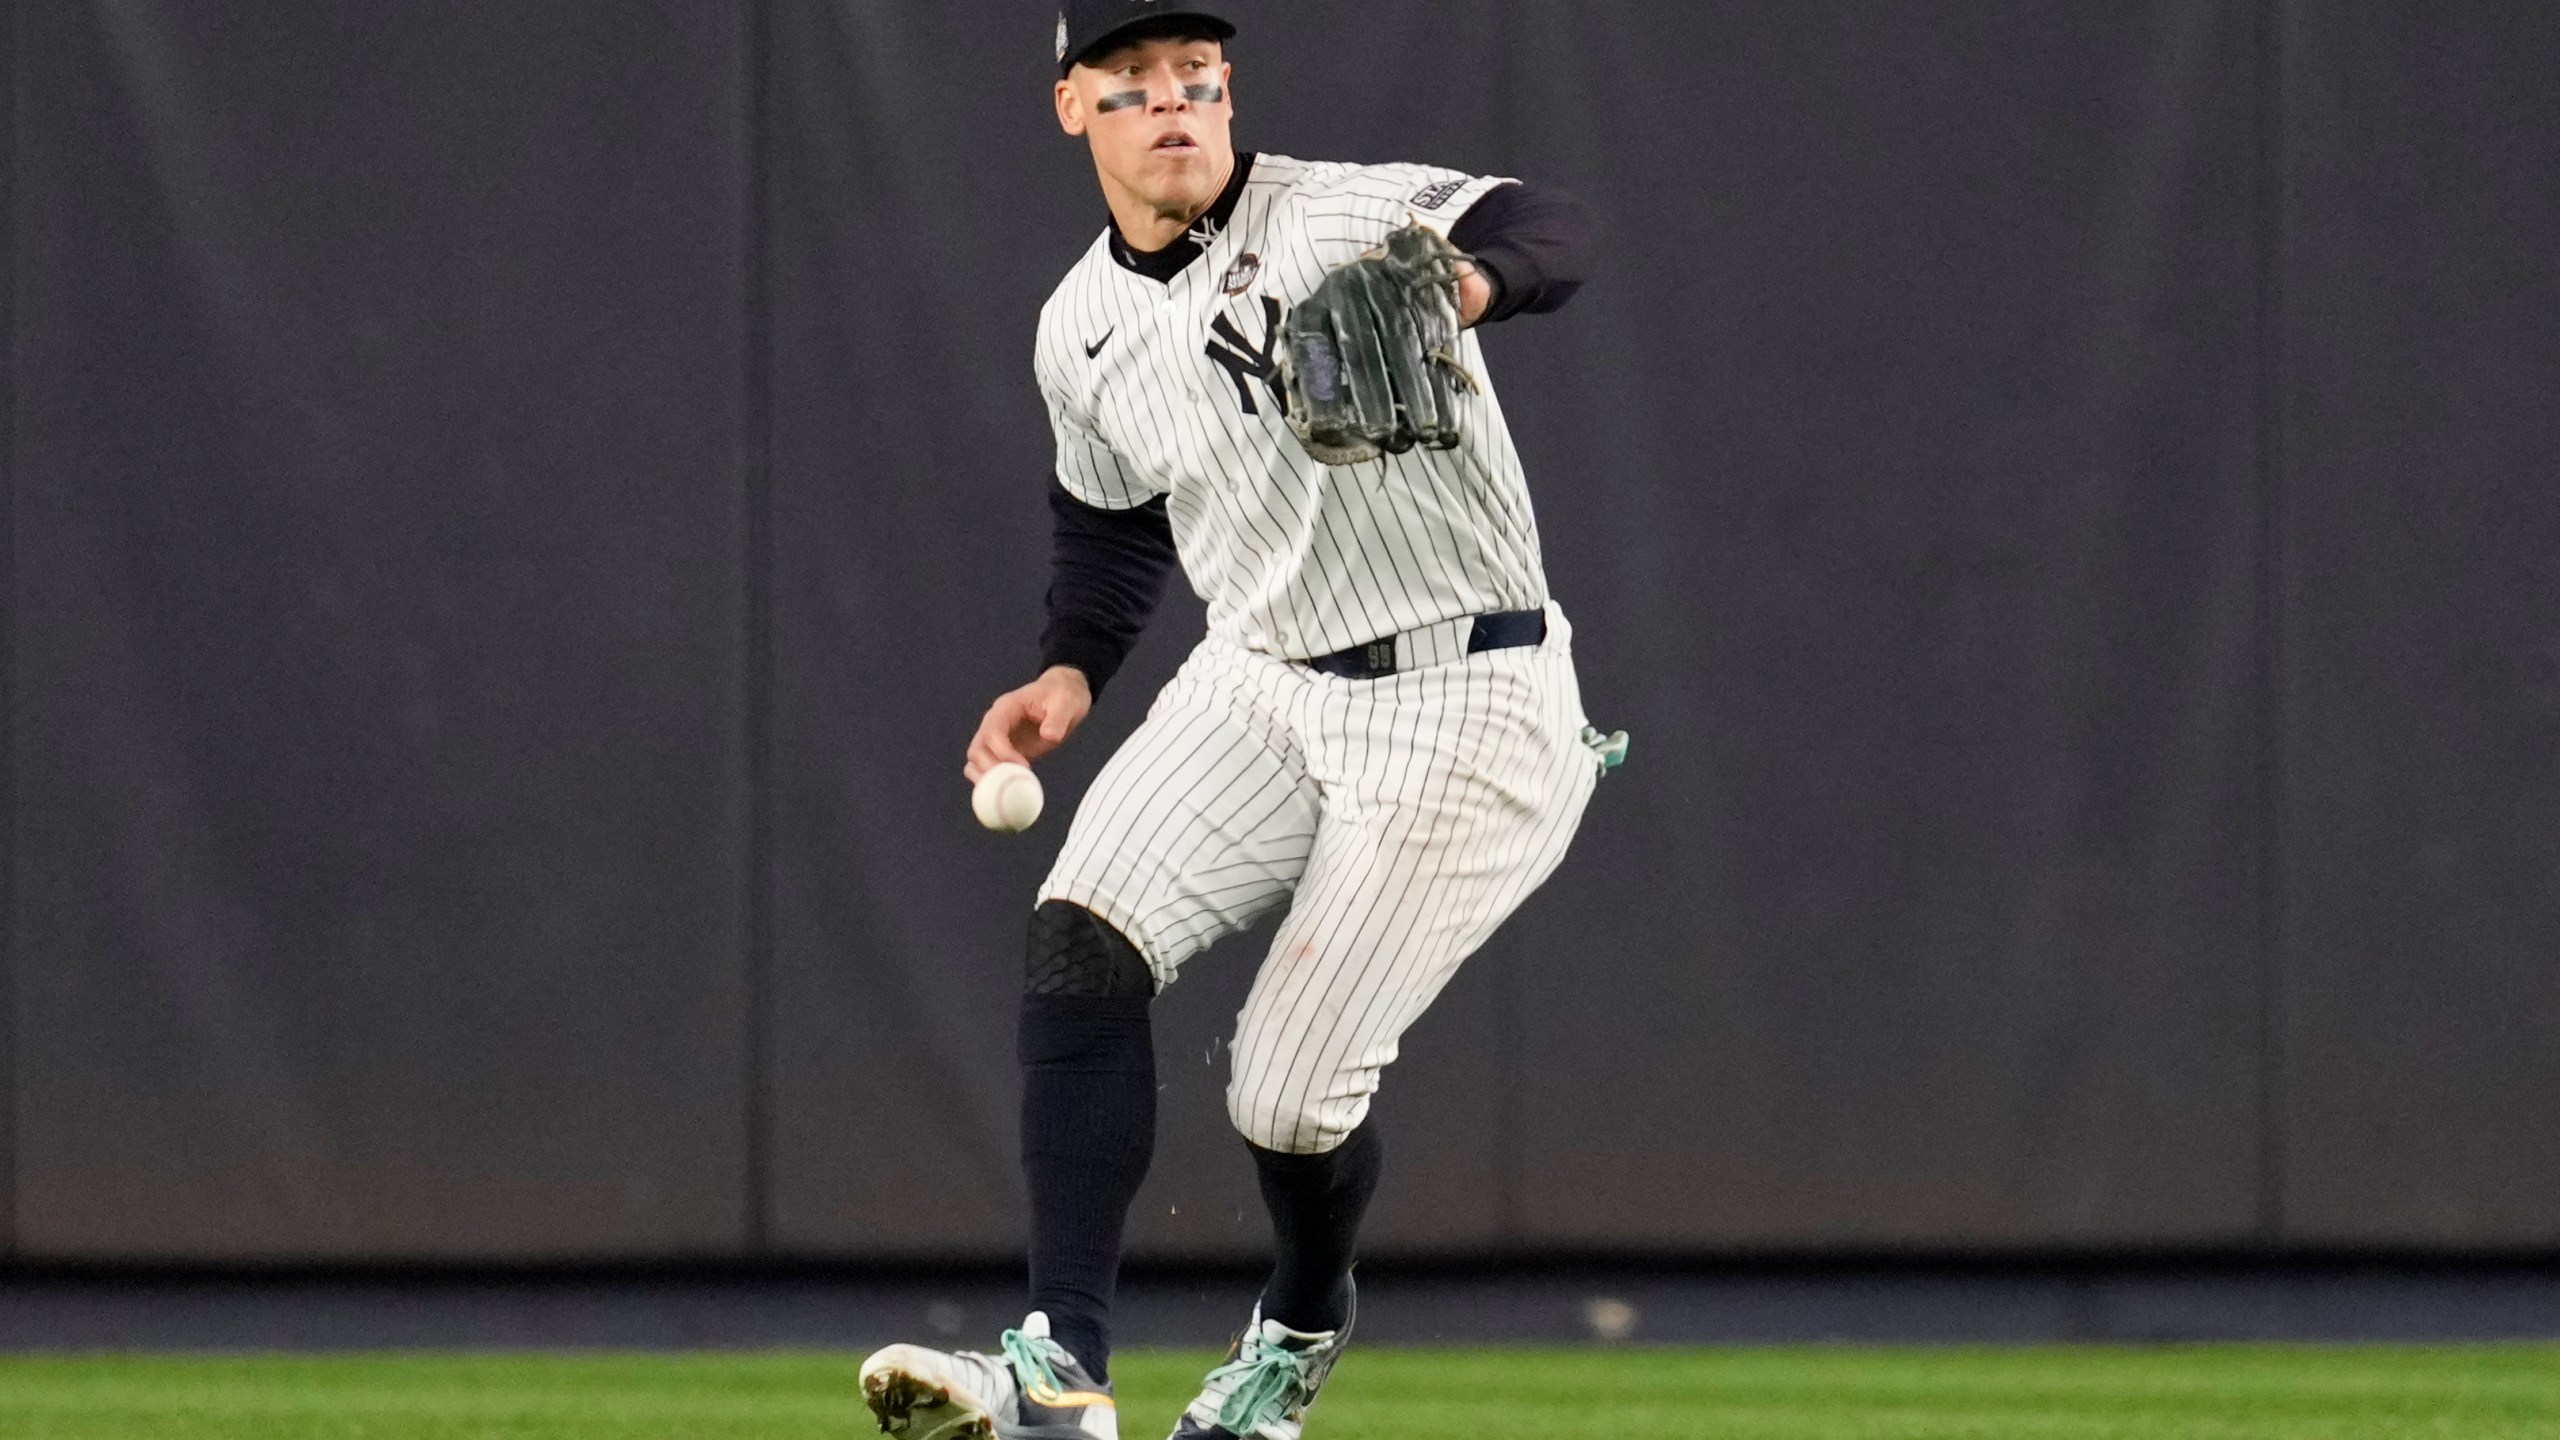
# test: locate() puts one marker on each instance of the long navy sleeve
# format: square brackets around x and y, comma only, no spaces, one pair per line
[1534,244]
[1108,570]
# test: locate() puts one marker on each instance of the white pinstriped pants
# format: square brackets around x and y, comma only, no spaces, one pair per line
[1409,816]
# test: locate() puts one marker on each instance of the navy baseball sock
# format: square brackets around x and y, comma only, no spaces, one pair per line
[1316,1203]
[1088,1119]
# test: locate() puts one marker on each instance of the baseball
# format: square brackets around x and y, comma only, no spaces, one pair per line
[1007,798]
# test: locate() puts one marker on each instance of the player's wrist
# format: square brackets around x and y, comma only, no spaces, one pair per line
[1478,289]
[1092,650]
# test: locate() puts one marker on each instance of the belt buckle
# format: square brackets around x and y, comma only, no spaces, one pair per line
[1378,657]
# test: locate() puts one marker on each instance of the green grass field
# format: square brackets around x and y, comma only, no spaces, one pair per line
[2479,1393]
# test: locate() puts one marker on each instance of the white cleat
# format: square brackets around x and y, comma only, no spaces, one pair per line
[921,1394]
[1264,1390]
[1060,1398]
[1032,1389]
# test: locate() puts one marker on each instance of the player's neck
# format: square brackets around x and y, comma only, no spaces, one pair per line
[1147,227]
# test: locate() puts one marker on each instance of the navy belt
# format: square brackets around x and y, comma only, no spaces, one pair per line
[1376,660]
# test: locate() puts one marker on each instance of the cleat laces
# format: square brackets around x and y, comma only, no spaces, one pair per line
[1268,1383]
[1030,1358]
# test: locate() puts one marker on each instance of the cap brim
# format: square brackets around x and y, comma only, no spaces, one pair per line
[1225,30]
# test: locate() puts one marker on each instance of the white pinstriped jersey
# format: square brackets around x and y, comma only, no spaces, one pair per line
[1167,389]
[1400,820]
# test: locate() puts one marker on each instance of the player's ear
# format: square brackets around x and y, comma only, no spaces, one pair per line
[1070,108]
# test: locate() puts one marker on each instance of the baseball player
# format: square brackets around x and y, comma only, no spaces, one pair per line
[1261,373]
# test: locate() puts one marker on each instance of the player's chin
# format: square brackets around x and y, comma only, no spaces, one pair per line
[1178,169]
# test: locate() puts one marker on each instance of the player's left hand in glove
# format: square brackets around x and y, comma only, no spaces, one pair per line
[1369,361]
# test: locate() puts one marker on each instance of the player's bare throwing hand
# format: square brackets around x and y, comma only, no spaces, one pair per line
[1380,732]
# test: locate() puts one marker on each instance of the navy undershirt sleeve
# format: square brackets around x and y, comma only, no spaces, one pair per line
[1534,244]
[1107,571]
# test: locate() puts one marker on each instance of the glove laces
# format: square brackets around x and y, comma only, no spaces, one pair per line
[1268,1380]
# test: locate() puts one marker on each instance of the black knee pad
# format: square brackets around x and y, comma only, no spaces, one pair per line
[1075,954]
[1086,992]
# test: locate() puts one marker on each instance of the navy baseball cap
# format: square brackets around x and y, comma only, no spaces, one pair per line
[1085,26]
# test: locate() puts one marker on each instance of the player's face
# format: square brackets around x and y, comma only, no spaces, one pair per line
[1157,115]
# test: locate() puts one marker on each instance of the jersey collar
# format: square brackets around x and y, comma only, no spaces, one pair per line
[1162,265]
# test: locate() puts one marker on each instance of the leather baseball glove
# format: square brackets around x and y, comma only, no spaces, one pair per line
[1370,360]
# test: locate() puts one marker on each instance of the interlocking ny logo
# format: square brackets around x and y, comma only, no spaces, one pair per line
[1246,362]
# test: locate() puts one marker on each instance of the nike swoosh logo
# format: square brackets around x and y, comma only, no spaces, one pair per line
[1069,1399]
[1094,350]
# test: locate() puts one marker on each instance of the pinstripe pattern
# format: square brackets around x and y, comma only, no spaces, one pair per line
[1294,558]
[1408,816]
[1399,819]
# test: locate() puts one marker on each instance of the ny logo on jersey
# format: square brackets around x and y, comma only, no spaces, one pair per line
[1247,362]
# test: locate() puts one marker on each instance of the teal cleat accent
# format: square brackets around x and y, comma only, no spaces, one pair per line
[1264,1390]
